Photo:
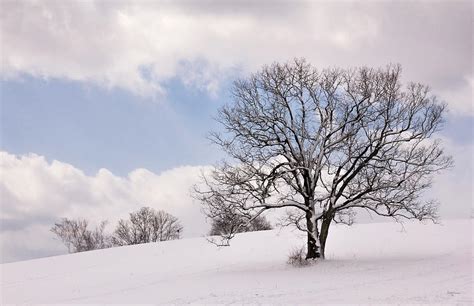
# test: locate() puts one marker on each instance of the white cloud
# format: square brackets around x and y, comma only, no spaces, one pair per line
[455,187]
[35,193]
[140,45]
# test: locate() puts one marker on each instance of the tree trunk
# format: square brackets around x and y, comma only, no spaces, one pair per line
[326,222]
[313,237]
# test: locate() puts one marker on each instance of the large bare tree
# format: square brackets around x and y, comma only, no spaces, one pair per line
[325,143]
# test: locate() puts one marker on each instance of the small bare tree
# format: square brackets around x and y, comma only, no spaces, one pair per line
[78,238]
[323,144]
[147,225]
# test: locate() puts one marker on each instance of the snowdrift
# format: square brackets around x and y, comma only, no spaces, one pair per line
[367,263]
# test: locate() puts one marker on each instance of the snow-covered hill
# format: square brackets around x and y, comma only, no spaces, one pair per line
[367,263]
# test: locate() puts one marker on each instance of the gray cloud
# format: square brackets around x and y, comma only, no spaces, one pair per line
[111,43]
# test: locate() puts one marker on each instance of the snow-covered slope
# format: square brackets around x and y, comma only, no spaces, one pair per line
[368,263]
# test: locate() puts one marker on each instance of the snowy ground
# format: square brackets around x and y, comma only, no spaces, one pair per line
[367,263]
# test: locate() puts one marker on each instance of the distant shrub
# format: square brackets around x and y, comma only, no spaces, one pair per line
[259,224]
[296,258]
[234,223]
[77,237]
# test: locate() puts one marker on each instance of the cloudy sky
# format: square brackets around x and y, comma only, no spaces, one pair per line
[105,105]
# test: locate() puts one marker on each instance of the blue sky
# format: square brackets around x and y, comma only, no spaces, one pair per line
[92,127]
[105,105]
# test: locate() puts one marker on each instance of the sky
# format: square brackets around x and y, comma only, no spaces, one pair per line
[105,105]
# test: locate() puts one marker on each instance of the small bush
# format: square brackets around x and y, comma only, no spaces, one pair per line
[296,258]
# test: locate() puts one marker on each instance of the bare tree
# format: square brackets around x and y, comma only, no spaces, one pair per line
[78,238]
[322,144]
[147,225]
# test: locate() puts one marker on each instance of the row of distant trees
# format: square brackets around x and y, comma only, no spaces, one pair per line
[144,226]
